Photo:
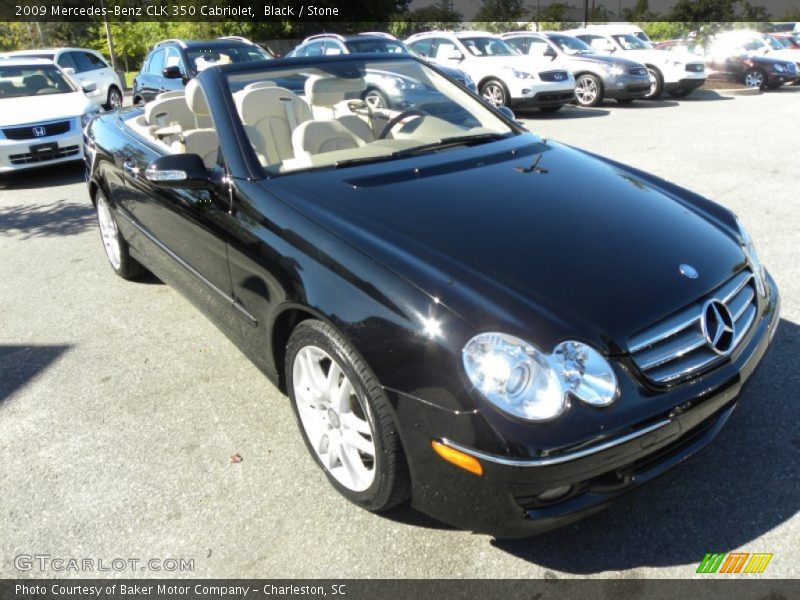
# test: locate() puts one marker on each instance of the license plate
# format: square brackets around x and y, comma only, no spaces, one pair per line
[49,148]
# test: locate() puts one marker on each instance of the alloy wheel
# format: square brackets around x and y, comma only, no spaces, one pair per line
[375,100]
[494,94]
[586,91]
[754,79]
[109,233]
[335,418]
[114,99]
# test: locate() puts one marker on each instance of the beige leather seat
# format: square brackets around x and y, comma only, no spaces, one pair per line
[202,141]
[260,84]
[166,111]
[329,135]
[270,115]
[171,94]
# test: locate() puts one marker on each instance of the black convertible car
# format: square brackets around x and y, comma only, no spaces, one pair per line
[506,330]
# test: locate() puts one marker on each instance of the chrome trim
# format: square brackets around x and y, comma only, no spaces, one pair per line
[662,335]
[562,458]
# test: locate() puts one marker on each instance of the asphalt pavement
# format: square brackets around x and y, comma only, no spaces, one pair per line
[121,405]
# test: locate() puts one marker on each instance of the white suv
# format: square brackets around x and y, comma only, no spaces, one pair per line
[85,67]
[504,77]
[676,73]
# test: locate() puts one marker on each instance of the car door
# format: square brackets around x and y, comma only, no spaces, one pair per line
[106,77]
[87,71]
[153,75]
[183,229]
[173,59]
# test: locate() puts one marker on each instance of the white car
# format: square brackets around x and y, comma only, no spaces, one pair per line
[42,115]
[755,42]
[503,76]
[85,67]
[674,72]
[618,28]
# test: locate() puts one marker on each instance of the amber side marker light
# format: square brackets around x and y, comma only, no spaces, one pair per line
[458,458]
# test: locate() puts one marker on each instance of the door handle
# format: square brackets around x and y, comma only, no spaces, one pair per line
[131,169]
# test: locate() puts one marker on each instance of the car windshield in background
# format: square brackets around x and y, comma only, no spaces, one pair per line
[39,80]
[320,116]
[631,42]
[385,46]
[202,58]
[571,45]
[773,43]
[487,46]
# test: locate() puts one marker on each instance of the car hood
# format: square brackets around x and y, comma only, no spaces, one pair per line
[574,246]
[37,109]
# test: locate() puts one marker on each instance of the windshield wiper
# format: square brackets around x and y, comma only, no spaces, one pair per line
[362,161]
[449,142]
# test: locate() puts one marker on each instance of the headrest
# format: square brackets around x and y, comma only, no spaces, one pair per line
[258,103]
[260,85]
[196,99]
[172,94]
[328,91]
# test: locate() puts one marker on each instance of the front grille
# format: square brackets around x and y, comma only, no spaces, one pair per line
[44,130]
[554,97]
[638,71]
[695,67]
[554,76]
[676,348]
[29,158]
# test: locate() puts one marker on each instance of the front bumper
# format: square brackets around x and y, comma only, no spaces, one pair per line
[687,83]
[533,93]
[776,79]
[18,155]
[625,86]
[505,501]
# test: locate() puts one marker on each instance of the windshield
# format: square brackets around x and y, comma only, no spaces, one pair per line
[488,46]
[753,44]
[631,42]
[373,45]
[773,43]
[336,113]
[27,80]
[571,45]
[202,58]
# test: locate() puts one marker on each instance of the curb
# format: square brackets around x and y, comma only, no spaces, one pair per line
[739,91]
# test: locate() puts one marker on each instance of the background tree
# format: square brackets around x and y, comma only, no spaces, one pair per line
[501,10]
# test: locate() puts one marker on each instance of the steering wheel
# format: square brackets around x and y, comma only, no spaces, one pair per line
[394,121]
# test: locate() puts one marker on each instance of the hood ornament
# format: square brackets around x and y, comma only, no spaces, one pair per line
[688,271]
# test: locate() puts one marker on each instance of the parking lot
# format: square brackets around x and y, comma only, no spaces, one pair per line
[121,405]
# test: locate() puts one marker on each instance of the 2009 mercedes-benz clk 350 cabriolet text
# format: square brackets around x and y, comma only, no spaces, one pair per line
[506,330]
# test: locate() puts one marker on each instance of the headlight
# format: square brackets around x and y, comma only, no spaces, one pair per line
[88,116]
[612,69]
[520,74]
[524,382]
[752,256]
[403,84]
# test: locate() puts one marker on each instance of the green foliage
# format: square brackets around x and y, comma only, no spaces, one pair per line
[666,30]
[716,11]
[501,10]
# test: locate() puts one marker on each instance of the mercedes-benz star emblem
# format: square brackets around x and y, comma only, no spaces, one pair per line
[688,271]
[718,327]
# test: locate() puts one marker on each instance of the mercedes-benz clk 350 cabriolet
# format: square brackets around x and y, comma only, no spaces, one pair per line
[506,330]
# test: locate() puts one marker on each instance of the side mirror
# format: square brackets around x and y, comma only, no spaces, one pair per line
[506,112]
[69,71]
[173,72]
[89,87]
[551,53]
[455,55]
[179,171]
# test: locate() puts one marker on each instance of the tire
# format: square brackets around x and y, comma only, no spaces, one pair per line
[656,84]
[376,99]
[588,90]
[679,93]
[364,415]
[551,109]
[116,248]
[114,99]
[755,78]
[494,92]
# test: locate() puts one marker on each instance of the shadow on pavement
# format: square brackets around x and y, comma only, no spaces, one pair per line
[568,112]
[703,95]
[740,487]
[45,220]
[44,177]
[21,364]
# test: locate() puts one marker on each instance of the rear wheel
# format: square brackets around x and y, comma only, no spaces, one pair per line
[115,246]
[114,99]
[345,418]
[755,78]
[588,90]
[656,84]
[494,92]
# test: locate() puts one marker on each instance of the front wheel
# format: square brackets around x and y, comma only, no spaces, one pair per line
[494,92]
[114,99]
[755,78]
[588,90]
[376,99]
[345,418]
[656,84]
[115,246]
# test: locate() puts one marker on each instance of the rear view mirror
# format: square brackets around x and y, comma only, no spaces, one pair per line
[69,71]
[173,72]
[551,53]
[179,171]
[89,87]
[455,55]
